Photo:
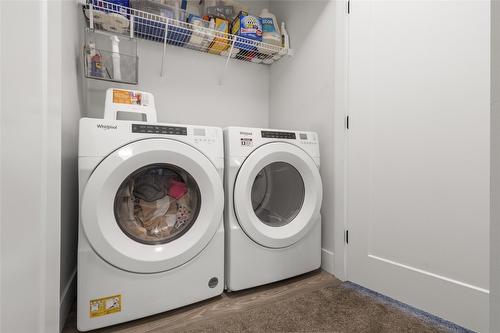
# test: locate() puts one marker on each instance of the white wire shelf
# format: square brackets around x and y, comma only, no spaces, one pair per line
[135,23]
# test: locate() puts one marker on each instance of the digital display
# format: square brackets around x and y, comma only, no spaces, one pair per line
[199,132]
[278,135]
[158,129]
[303,136]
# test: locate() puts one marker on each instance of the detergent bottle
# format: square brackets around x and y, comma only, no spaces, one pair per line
[270,29]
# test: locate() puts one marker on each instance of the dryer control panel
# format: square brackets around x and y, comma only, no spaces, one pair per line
[241,141]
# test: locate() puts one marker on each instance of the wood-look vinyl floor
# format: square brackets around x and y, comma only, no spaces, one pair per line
[226,304]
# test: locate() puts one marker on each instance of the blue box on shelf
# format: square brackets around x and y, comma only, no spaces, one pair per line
[250,28]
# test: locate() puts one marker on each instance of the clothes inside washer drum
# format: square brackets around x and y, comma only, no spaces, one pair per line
[149,186]
[150,211]
[145,211]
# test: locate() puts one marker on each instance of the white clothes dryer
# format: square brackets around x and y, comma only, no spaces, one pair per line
[273,199]
[151,236]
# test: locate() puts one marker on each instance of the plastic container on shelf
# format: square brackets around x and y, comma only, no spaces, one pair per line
[179,31]
[222,38]
[94,60]
[270,33]
[270,29]
[194,7]
[225,9]
[147,27]
[285,39]
[202,36]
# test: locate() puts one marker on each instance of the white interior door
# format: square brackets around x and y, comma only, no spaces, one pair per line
[418,165]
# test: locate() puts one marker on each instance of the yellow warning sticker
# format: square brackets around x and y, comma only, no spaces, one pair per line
[121,96]
[127,97]
[106,305]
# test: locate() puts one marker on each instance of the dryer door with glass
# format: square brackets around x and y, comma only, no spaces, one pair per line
[277,194]
[152,205]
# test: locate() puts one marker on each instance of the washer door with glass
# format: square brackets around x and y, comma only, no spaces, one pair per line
[277,194]
[152,205]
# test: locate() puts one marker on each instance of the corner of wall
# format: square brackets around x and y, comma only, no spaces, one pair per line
[308,91]
[68,296]
[73,109]
[327,261]
[494,167]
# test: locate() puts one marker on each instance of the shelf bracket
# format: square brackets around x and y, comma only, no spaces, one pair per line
[131,26]
[221,79]
[164,48]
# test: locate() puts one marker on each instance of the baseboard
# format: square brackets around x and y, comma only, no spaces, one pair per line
[327,259]
[67,298]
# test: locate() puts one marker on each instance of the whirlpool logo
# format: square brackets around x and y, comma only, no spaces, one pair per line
[107,127]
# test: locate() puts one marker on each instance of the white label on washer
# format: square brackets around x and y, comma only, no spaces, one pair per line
[246,142]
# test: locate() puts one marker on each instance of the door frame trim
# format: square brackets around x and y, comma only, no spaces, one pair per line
[339,264]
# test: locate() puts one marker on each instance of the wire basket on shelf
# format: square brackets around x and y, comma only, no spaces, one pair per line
[101,62]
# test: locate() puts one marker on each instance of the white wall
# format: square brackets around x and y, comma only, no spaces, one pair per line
[305,95]
[190,90]
[40,109]
[495,170]
[30,110]
[301,92]
[72,108]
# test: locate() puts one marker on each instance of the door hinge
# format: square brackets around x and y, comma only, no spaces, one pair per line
[348,6]
[347,236]
[347,122]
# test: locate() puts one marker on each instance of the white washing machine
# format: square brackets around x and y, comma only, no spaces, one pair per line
[151,236]
[273,200]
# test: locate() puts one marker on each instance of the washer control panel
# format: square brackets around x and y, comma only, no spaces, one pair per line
[308,138]
[158,129]
[204,135]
